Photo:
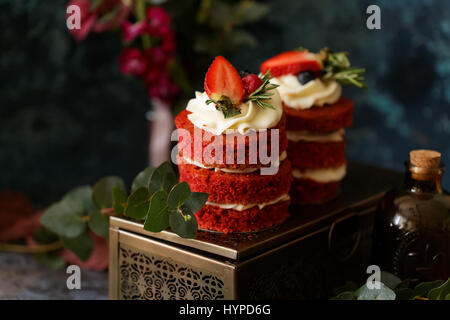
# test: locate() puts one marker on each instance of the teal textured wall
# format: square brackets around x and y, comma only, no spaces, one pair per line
[67,117]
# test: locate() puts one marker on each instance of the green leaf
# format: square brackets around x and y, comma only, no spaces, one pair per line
[142,178]
[390,280]
[99,223]
[179,194]
[422,289]
[184,225]
[158,213]
[82,194]
[119,200]
[82,246]
[163,178]
[196,201]
[407,283]
[50,259]
[346,295]
[404,294]
[45,236]
[441,292]
[138,203]
[384,293]
[102,193]
[348,286]
[65,218]
[253,11]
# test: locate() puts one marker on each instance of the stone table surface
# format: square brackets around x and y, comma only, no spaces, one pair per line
[22,277]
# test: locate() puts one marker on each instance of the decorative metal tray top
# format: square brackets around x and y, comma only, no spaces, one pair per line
[361,188]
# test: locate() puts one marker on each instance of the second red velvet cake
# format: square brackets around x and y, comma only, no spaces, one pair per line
[247,176]
[316,115]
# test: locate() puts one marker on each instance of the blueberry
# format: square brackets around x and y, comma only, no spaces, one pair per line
[306,76]
[244,73]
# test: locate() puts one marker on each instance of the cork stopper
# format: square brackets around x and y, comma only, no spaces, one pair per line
[425,158]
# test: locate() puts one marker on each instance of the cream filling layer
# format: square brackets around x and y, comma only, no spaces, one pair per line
[321,175]
[242,207]
[282,157]
[335,136]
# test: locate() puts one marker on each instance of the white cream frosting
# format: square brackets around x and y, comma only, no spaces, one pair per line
[242,207]
[208,118]
[282,157]
[335,136]
[321,175]
[314,93]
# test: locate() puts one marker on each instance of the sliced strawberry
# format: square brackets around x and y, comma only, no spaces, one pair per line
[222,79]
[291,62]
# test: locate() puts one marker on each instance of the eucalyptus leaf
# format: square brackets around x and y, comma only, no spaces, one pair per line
[404,294]
[390,280]
[158,213]
[65,218]
[184,225]
[422,289]
[50,259]
[119,200]
[82,194]
[196,201]
[138,203]
[142,179]
[383,293]
[44,236]
[440,292]
[82,246]
[179,194]
[346,295]
[102,193]
[163,178]
[99,223]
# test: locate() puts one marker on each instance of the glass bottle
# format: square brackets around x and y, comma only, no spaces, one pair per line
[412,224]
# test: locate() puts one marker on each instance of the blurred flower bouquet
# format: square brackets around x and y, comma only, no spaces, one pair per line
[150,33]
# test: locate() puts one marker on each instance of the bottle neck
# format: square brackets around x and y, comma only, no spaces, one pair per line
[423,180]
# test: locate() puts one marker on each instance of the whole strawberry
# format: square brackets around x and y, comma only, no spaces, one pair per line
[251,83]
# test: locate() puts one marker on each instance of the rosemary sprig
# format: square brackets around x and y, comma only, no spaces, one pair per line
[336,66]
[225,105]
[262,94]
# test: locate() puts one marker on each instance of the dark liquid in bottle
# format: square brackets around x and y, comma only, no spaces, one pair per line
[412,229]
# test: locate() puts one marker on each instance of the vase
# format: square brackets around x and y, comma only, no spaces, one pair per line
[161,125]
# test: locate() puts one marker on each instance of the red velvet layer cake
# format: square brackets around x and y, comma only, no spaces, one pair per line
[232,145]
[316,114]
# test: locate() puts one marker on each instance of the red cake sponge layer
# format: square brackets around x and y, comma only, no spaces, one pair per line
[304,191]
[243,188]
[253,219]
[321,119]
[238,144]
[309,154]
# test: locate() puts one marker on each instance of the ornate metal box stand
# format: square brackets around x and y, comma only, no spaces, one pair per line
[315,250]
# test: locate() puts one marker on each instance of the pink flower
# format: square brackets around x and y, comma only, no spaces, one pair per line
[163,89]
[158,21]
[168,42]
[133,30]
[157,57]
[87,19]
[132,61]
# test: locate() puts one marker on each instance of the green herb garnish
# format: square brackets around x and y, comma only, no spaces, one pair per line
[225,105]
[336,66]
[262,94]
